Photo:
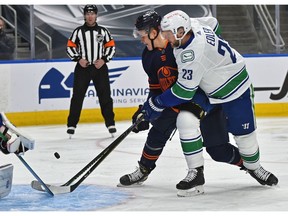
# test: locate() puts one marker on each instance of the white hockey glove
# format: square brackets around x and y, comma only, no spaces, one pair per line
[10,142]
[12,139]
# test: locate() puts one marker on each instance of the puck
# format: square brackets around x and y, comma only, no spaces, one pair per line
[56,154]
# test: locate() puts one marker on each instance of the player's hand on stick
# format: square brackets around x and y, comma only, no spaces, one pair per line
[143,125]
[152,109]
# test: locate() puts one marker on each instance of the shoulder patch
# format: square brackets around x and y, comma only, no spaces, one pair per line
[99,38]
[187,55]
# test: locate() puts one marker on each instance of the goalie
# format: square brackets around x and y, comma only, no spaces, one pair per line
[12,140]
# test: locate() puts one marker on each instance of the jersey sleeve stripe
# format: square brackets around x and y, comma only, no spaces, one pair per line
[110,43]
[71,44]
[181,92]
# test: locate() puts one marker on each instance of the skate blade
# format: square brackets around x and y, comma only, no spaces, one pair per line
[112,135]
[70,136]
[138,184]
[191,192]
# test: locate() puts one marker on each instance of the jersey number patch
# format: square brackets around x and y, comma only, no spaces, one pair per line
[223,47]
[187,74]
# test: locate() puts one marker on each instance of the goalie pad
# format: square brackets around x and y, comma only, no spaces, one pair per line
[6,175]
[17,137]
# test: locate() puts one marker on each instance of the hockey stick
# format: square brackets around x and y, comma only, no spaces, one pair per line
[67,187]
[39,180]
[119,139]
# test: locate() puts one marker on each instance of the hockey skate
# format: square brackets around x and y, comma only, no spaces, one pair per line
[192,184]
[135,178]
[70,131]
[263,176]
[18,142]
[112,130]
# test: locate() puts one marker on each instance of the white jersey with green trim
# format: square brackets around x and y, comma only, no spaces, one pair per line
[212,22]
[209,62]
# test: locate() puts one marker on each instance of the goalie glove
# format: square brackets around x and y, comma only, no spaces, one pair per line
[10,142]
[143,125]
[152,109]
[13,140]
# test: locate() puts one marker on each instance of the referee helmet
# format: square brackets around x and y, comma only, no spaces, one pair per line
[89,8]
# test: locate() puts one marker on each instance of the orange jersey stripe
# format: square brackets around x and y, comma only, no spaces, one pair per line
[110,43]
[150,157]
[175,109]
[154,86]
[71,44]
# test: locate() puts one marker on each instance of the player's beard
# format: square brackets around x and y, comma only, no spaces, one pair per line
[176,44]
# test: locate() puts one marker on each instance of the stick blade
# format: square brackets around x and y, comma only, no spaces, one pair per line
[55,189]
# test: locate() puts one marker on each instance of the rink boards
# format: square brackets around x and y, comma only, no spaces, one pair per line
[39,92]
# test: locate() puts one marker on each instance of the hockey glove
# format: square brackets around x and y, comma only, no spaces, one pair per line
[143,125]
[17,141]
[9,143]
[152,109]
[193,108]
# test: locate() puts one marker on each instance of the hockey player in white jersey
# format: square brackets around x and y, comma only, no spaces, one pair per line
[207,61]
[158,54]
[12,140]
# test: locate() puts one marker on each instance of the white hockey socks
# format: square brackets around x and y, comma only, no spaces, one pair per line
[191,139]
[249,150]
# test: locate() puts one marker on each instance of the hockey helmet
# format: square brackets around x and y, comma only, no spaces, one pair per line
[89,8]
[150,19]
[175,20]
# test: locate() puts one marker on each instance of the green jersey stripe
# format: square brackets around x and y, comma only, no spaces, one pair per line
[182,93]
[231,85]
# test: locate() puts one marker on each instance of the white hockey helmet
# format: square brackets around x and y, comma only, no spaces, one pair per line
[174,20]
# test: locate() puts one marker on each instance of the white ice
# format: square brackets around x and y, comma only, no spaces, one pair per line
[226,189]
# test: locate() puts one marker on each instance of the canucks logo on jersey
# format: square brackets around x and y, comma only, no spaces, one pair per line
[187,55]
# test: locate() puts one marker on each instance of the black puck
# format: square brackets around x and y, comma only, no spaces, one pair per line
[56,154]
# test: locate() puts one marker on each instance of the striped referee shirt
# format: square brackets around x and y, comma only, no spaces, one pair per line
[91,43]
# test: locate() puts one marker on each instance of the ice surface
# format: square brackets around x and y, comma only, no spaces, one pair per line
[226,189]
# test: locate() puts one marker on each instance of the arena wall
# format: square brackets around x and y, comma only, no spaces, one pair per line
[38,92]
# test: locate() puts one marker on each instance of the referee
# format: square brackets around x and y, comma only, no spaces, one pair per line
[91,46]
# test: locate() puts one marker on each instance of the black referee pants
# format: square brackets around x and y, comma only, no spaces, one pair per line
[82,78]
